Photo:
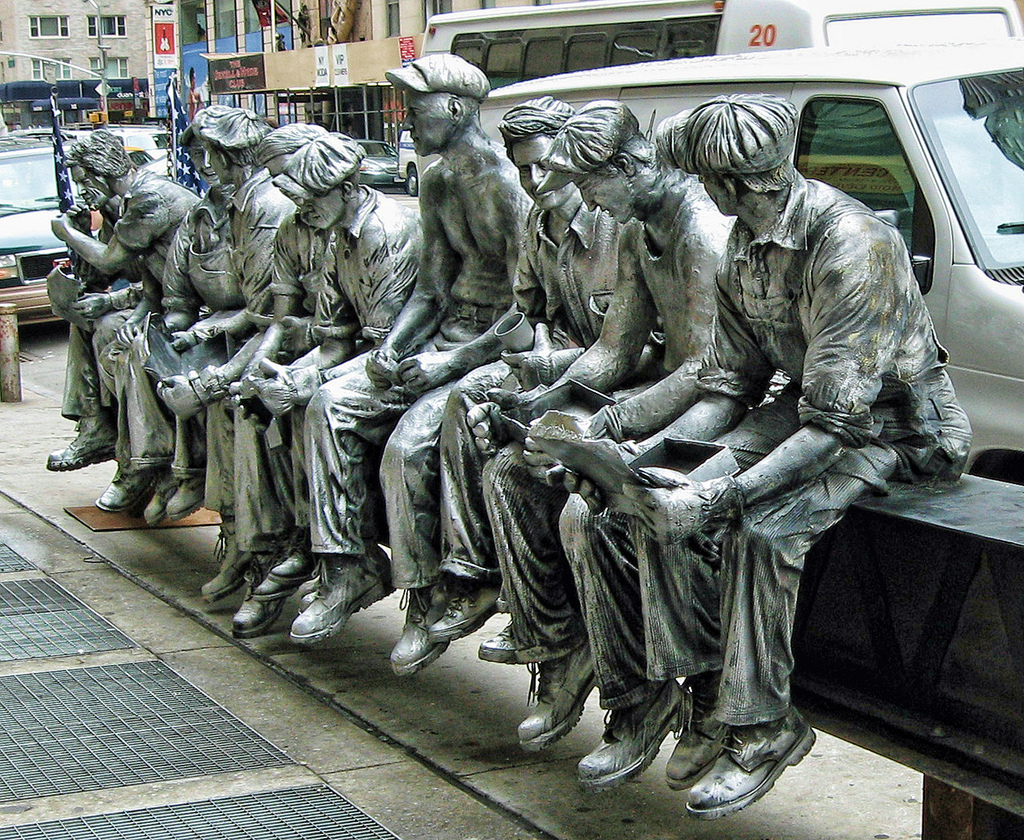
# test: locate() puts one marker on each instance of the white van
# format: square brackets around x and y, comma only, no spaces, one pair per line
[932,138]
[515,43]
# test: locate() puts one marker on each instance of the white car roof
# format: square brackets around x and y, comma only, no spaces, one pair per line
[895,66]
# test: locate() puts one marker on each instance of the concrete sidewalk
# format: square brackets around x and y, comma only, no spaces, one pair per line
[431,756]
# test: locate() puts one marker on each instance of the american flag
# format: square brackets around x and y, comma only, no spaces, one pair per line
[184,170]
[60,164]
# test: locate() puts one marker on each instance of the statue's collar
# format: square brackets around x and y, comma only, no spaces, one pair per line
[790,228]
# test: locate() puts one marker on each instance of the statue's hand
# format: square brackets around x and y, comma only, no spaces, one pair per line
[425,371]
[533,367]
[382,368]
[673,514]
[283,388]
[539,462]
[479,418]
[129,331]
[578,484]
[93,306]
[179,395]
[60,227]
[182,341]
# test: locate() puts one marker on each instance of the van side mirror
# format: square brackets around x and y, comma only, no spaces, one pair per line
[922,266]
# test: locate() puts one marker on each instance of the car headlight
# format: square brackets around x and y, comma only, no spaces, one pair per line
[8,266]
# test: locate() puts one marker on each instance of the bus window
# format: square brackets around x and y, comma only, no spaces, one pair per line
[543,57]
[689,38]
[469,47]
[504,61]
[634,46]
[585,52]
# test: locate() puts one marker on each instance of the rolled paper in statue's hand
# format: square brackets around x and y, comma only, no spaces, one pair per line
[514,332]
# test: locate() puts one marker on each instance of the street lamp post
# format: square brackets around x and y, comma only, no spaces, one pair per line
[101,88]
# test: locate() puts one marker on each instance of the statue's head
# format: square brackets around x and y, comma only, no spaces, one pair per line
[602,150]
[275,150]
[736,143]
[97,162]
[443,93]
[322,179]
[230,137]
[529,132]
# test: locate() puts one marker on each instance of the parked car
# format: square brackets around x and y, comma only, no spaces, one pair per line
[28,248]
[380,165]
[408,164]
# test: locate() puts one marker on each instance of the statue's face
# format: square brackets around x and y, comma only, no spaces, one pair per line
[430,121]
[609,189]
[722,192]
[197,151]
[94,190]
[547,188]
[327,210]
[222,166]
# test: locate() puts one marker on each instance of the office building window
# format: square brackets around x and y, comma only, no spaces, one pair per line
[45,71]
[48,27]
[436,7]
[394,18]
[117,68]
[110,26]
[225,20]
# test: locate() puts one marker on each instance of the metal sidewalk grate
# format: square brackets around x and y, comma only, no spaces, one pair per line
[11,561]
[38,619]
[92,728]
[308,813]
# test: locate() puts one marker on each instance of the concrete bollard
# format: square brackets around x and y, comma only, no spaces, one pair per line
[10,363]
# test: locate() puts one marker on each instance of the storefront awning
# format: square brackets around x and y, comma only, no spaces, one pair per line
[81,102]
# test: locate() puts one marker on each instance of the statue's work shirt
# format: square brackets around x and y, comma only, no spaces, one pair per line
[566,284]
[828,297]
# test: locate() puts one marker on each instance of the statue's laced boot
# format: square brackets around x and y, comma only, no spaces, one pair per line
[753,758]
[164,488]
[344,588]
[233,564]
[702,739]
[414,650]
[470,605]
[562,688]
[93,444]
[255,617]
[188,498]
[286,576]
[129,490]
[500,648]
[632,737]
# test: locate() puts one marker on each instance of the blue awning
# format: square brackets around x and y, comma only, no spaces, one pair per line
[81,102]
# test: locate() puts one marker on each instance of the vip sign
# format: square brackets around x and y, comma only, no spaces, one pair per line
[165,36]
[339,65]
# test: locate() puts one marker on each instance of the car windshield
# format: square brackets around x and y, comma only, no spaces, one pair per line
[975,128]
[378,149]
[27,182]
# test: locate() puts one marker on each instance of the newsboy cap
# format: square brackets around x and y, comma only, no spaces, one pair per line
[441,73]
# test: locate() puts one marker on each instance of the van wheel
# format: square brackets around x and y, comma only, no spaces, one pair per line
[412,180]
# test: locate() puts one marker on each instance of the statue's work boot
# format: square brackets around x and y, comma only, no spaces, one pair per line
[754,757]
[702,741]
[632,737]
[254,618]
[233,564]
[415,650]
[287,576]
[344,589]
[128,490]
[187,499]
[563,686]
[93,444]
[470,606]
[164,488]
[500,648]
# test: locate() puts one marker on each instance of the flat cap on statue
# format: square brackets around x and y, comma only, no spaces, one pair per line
[441,73]
[229,128]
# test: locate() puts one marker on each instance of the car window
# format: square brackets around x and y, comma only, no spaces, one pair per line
[375,147]
[27,182]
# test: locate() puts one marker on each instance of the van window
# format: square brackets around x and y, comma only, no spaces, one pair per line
[470,47]
[504,60]
[850,144]
[634,47]
[585,52]
[543,57]
[974,127]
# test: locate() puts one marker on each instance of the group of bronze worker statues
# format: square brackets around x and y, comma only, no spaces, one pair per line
[476,388]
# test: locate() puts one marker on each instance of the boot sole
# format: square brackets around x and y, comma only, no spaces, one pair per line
[371,596]
[450,634]
[411,668]
[604,783]
[794,756]
[98,457]
[546,739]
[499,657]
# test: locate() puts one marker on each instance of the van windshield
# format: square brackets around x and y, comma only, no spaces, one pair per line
[975,129]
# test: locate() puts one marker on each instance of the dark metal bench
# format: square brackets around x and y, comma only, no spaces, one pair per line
[910,642]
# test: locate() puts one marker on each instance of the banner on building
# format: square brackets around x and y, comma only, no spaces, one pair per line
[323,66]
[339,65]
[165,36]
[238,74]
[407,49]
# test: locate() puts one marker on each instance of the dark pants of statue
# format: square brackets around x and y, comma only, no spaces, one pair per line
[538,585]
[84,394]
